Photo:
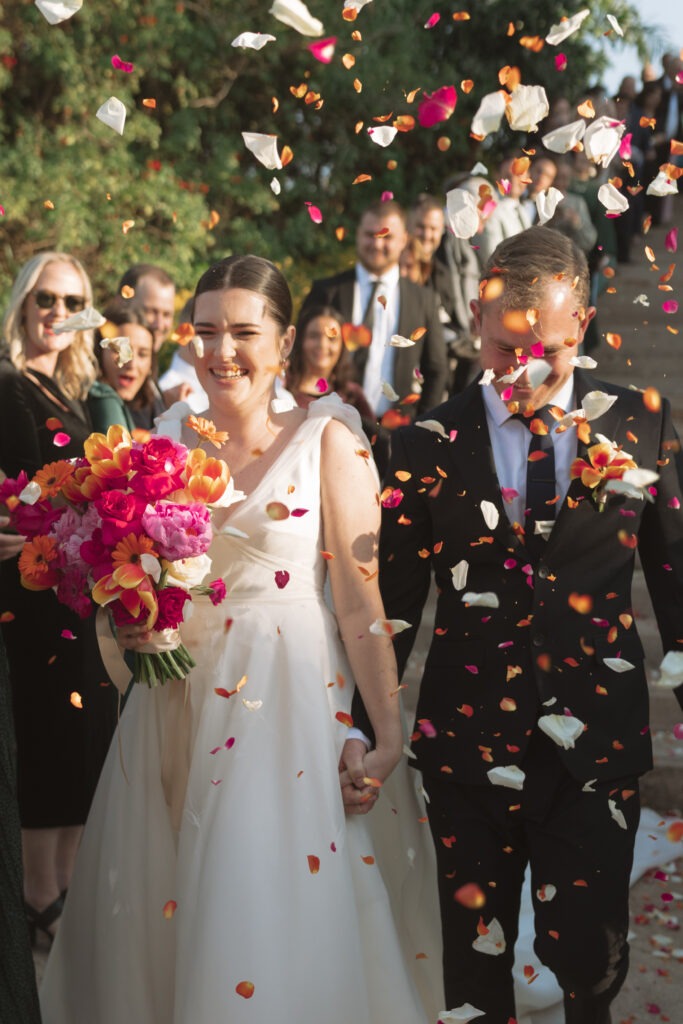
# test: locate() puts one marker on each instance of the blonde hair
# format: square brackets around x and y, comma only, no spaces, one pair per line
[76,368]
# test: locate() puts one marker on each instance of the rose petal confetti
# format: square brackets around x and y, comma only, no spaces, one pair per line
[562,729]
[281,578]
[314,213]
[87,320]
[489,115]
[61,439]
[613,200]
[113,114]
[487,599]
[462,213]
[437,106]
[460,1015]
[509,775]
[323,49]
[561,140]
[384,135]
[388,627]
[170,909]
[55,11]
[546,204]
[75,699]
[252,40]
[297,15]
[264,148]
[528,105]
[122,65]
[566,27]
[459,574]
[490,939]
[245,989]
[671,240]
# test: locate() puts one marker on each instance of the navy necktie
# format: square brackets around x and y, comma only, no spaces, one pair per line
[541,489]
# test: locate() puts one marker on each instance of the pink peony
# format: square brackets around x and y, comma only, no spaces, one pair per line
[180,531]
[158,466]
[171,603]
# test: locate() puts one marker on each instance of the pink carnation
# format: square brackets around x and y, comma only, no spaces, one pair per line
[180,531]
[217,591]
[171,603]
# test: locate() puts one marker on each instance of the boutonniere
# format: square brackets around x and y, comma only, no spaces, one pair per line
[610,470]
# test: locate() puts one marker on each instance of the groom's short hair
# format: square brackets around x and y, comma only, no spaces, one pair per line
[525,263]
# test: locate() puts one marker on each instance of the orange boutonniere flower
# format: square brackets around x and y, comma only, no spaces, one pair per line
[606,462]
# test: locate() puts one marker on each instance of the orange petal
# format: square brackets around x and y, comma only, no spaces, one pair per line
[245,989]
[313,864]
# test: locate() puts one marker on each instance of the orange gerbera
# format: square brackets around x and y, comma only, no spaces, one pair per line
[206,429]
[109,455]
[52,477]
[207,478]
[127,560]
[36,563]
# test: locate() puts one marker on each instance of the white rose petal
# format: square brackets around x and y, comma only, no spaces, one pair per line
[510,378]
[297,15]
[544,527]
[433,425]
[388,627]
[612,199]
[355,5]
[547,202]
[398,341]
[642,300]
[198,345]
[389,392]
[640,477]
[121,348]
[276,187]
[252,705]
[671,668]
[264,148]
[479,169]
[55,11]
[566,27]
[490,514]
[615,24]
[602,139]
[546,893]
[87,320]
[493,943]
[537,370]
[583,362]
[528,106]
[618,664]
[252,40]
[462,213]
[596,404]
[588,787]
[384,135]
[617,814]
[487,377]
[662,186]
[459,574]
[460,1015]
[489,115]
[113,114]
[509,776]
[562,729]
[31,493]
[561,140]
[487,599]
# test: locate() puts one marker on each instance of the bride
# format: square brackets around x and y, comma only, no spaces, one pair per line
[259,901]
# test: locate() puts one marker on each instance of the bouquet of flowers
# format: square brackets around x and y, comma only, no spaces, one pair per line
[126,527]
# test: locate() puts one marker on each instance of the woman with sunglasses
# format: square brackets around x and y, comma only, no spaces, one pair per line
[45,377]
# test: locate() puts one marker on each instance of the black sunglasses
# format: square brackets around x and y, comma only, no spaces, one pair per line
[46,300]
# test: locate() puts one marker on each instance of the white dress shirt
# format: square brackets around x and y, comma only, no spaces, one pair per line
[380,364]
[510,441]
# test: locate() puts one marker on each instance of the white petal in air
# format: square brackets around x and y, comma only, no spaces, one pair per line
[641,300]
[198,345]
[490,514]
[618,664]
[493,943]
[662,186]
[275,187]
[602,139]
[389,392]
[583,362]
[264,148]
[460,1015]
[596,403]
[547,202]
[561,140]
[546,893]
[252,40]
[433,425]
[459,574]
[121,348]
[537,370]
[113,114]
[398,341]
[462,213]
[487,377]
[355,5]
[55,11]
[31,493]
[487,599]
[528,106]
[384,135]
[615,24]
[297,15]
[489,115]
[567,27]
[617,814]
[507,775]
[388,627]
[86,320]
[640,477]
[612,199]
[671,668]
[562,729]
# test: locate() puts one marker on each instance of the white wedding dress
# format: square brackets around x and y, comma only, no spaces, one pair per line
[331,919]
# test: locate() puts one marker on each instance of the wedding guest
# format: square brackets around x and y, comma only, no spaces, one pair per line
[413,261]
[64,709]
[153,290]
[508,217]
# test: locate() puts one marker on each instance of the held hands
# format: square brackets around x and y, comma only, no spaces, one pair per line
[357,765]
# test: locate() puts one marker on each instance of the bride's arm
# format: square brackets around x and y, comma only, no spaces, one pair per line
[351,517]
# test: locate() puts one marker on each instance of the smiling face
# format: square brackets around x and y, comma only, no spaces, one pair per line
[41,345]
[321,346]
[380,239]
[243,349]
[507,337]
[157,301]
[428,227]
[128,379]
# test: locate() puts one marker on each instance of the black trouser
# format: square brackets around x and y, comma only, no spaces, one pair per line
[487,834]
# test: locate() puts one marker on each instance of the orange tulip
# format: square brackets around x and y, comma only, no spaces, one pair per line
[109,456]
[207,478]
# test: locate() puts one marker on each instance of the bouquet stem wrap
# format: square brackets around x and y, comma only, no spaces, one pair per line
[164,658]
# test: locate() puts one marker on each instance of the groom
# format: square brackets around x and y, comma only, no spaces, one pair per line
[532,722]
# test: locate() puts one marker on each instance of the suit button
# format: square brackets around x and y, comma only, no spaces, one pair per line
[543,572]
[538,639]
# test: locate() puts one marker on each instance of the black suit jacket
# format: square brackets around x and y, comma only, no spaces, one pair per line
[491,672]
[417,308]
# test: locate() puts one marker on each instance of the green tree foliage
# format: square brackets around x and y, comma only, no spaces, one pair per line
[68,181]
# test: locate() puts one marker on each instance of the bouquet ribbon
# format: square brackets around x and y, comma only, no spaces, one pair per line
[177,727]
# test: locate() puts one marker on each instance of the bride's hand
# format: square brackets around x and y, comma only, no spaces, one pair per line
[133,637]
[360,772]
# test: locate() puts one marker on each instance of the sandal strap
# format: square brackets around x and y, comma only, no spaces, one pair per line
[44,918]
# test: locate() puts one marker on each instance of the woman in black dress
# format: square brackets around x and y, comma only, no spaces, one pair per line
[52,653]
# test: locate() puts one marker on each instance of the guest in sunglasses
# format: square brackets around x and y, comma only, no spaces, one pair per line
[45,377]
[126,392]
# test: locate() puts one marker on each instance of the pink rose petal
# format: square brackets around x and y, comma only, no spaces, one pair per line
[678,730]
[452,434]
[671,240]
[299,512]
[393,499]
[507,394]
[61,439]
[538,350]
[625,146]
[323,49]
[321,385]
[121,65]
[433,20]
[437,107]
[473,669]
[561,62]
[314,213]
[386,197]
[509,495]
[509,563]
[426,728]
[281,578]
[66,634]
[2,211]
[670,306]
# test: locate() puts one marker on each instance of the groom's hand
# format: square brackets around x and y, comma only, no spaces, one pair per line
[357,795]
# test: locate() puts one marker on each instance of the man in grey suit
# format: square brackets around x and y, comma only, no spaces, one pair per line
[374,293]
